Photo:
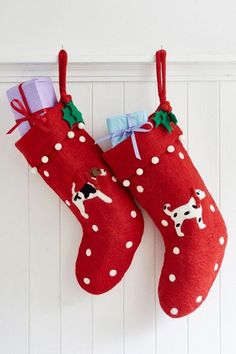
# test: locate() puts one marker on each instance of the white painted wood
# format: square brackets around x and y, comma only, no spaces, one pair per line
[140,285]
[14,241]
[165,326]
[228,206]
[140,297]
[82,98]
[121,71]
[107,308]
[203,146]
[76,304]
[44,268]
[42,308]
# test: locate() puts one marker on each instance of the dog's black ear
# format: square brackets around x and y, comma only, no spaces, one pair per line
[94,172]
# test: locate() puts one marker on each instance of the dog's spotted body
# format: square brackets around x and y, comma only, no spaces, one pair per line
[86,191]
[189,210]
[89,191]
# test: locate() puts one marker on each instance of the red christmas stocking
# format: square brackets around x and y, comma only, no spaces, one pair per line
[66,157]
[166,183]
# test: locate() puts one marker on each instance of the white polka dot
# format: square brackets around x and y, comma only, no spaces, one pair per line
[216,266]
[95,228]
[199,299]
[82,139]
[114,179]
[221,240]
[174,311]
[129,244]
[212,208]
[46,173]
[139,171]
[88,252]
[44,159]
[170,148]
[58,146]
[126,183]
[164,222]
[176,250]
[140,189]
[181,155]
[181,138]
[71,135]
[113,272]
[34,170]
[154,160]
[81,125]
[86,281]
[172,278]
[67,202]
[133,214]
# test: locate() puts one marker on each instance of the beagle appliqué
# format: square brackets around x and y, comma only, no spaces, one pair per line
[89,191]
[190,210]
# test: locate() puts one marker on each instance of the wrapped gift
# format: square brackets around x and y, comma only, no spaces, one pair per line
[38,93]
[118,126]
[126,126]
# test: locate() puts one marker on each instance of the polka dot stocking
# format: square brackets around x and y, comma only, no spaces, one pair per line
[166,184]
[68,160]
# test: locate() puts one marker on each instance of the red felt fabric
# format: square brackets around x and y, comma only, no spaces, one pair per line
[165,183]
[113,230]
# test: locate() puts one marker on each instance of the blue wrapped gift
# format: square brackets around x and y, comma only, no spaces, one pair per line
[118,125]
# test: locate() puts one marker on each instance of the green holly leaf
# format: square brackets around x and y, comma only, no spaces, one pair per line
[164,118]
[71,114]
[166,122]
[173,118]
[158,118]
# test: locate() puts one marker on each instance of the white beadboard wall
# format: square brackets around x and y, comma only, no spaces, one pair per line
[42,308]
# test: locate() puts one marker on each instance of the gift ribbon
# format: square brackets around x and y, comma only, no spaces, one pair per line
[130,131]
[24,110]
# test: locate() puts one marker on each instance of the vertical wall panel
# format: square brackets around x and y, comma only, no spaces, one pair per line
[140,294]
[42,308]
[14,238]
[44,267]
[203,122]
[107,308]
[76,304]
[228,207]
[175,329]
[178,96]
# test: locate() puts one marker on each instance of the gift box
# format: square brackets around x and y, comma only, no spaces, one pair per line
[39,94]
[118,126]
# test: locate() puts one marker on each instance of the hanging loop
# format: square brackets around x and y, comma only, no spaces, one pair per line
[163,114]
[62,62]
[161,81]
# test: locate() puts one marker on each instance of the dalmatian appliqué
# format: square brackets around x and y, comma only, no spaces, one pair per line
[190,210]
[89,191]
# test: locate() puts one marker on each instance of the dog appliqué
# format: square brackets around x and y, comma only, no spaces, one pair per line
[89,191]
[190,210]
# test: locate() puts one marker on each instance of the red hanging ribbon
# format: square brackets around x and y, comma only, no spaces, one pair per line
[62,62]
[161,81]
[23,109]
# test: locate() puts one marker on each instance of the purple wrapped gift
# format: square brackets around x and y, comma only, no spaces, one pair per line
[39,94]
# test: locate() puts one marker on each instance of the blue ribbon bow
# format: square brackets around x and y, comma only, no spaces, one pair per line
[130,131]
